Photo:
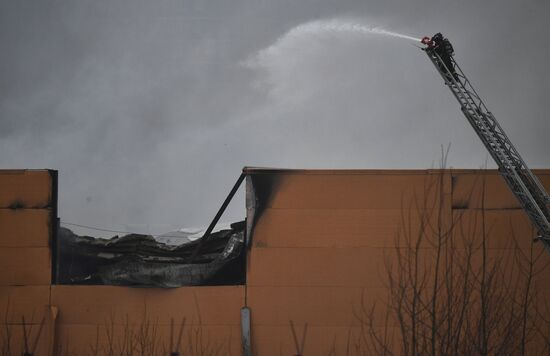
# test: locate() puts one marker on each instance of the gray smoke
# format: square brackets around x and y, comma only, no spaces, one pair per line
[150,109]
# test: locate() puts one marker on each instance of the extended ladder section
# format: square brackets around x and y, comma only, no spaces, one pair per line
[524,184]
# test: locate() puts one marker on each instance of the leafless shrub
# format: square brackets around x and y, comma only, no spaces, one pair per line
[117,337]
[298,345]
[30,333]
[449,294]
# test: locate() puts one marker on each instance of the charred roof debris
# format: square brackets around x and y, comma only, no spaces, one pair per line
[215,258]
[142,260]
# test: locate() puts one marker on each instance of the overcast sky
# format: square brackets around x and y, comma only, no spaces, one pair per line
[150,109]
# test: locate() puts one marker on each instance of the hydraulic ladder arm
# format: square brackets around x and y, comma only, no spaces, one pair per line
[522,182]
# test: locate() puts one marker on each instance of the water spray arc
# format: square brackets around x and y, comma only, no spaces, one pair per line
[335,26]
[309,30]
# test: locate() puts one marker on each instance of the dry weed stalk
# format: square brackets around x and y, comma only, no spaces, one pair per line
[450,294]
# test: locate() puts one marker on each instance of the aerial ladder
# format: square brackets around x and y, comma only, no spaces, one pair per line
[522,182]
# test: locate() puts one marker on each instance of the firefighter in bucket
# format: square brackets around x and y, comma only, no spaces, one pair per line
[444,49]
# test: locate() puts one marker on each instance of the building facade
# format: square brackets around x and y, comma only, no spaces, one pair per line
[330,262]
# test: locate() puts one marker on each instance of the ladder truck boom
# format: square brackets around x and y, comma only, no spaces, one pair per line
[522,182]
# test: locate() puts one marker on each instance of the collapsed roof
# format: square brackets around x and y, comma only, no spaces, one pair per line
[141,260]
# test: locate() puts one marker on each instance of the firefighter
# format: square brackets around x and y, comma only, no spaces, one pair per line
[443,47]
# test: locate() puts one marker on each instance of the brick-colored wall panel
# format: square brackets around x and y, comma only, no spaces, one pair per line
[25,227]
[336,227]
[25,266]
[468,189]
[320,306]
[314,305]
[23,301]
[97,304]
[317,266]
[25,189]
[319,340]
[355,191]
[505,228]
[42,340]
[79,339]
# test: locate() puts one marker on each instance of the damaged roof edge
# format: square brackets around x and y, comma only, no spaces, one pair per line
[140,260]
[217,217]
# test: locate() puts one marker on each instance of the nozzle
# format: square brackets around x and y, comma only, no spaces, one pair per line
[427,41]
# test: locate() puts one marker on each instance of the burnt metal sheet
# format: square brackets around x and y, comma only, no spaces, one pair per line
[140,260]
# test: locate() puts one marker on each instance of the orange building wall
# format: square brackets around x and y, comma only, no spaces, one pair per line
[319,245]
[26,217]
[78,317]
